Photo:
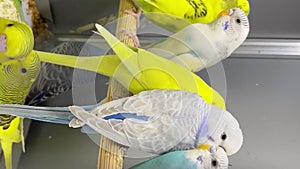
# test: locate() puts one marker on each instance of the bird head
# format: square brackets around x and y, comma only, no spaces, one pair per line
[16,40]
[233,28]
[217,156]
[221,129]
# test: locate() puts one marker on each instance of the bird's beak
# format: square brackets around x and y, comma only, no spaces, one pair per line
[226,13]
[206,147]
[2,43]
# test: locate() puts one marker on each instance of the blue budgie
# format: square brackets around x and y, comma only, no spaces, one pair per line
[188,159]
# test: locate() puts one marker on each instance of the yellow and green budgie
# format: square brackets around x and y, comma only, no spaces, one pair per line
[174,15]
[138,70]
[19,66]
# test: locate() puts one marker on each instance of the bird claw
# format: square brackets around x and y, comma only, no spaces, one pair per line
[133,36]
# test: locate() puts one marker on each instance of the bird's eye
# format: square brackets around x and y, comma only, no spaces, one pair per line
[10,24]
[214,163]
[224,136]
[238,21]
[23,70]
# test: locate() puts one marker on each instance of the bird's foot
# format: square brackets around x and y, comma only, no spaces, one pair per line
[136,42]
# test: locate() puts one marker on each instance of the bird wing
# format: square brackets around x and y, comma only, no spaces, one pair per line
[159,119]
[53,79]
[169,22]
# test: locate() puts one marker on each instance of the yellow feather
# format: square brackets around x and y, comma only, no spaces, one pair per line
[194,11]
[10,135]
[139,70]
[173,16]
[7,151]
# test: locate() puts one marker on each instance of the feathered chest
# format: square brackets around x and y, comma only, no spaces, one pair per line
[16,78]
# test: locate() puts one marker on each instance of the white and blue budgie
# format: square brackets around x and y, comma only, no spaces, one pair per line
[155,121]
[188,159]
[198,46]
[159,121]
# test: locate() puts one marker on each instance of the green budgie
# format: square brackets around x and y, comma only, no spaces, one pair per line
[19,66]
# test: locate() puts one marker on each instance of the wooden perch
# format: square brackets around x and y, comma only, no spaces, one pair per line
[111,153]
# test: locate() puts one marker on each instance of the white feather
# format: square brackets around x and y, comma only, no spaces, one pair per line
[174,118]
[207,43]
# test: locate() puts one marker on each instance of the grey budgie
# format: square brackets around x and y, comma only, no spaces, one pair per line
[54,79]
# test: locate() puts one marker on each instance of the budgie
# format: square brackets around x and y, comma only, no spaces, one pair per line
[54,79]
[138,70]
[142,70]
[158,121]
[155,121]
[188,159]
[19,66]
[202,45]
[170,15]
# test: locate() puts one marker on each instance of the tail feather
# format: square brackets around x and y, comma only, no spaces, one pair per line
[7,151]
[99,125]
[105,65]
[22,133]
[9,134]
[121,50]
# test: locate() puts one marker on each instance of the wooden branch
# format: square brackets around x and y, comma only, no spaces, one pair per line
[111,153]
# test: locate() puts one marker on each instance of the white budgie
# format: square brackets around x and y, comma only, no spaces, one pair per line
[159,121]
[199,46]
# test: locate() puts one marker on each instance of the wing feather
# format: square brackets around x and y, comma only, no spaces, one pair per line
[172,115]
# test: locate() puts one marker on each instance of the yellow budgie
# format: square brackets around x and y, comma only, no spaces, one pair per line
[192,11]
[146,70]
[19,65]
[138,70]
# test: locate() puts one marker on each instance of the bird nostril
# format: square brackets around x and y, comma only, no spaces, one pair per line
[211,139]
